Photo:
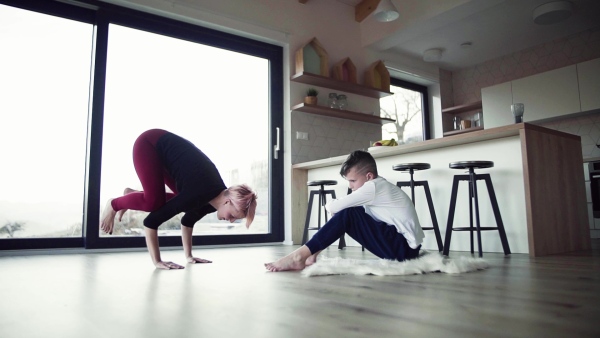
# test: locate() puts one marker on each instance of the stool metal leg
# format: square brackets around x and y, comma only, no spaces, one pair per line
[436,228]
[471,227]
[412,186]
[474,181]
[308,212]
[499,223]
[321,203]
[451,215]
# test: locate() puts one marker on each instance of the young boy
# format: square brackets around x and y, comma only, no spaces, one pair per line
[377,214]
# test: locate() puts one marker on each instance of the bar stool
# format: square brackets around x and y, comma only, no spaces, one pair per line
[472,178]
[411,168]
[322,193]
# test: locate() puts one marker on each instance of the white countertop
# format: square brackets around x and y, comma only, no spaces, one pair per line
[466,138]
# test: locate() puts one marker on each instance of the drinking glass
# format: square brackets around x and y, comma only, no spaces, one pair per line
[477,119]
[332,100]
[342,102]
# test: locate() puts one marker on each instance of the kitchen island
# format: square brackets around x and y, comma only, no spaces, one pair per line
[537,177]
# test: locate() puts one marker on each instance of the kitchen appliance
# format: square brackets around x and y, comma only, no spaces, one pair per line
[594,169]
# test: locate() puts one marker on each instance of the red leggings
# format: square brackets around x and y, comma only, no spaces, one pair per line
[151,173]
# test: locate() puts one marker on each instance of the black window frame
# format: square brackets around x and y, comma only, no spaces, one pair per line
[424,104]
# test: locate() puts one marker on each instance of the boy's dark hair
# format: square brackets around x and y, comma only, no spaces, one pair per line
[362,160]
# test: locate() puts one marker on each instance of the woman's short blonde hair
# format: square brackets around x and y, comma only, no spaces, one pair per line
[243,199]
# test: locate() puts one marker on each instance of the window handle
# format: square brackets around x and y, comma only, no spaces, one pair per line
[276,147]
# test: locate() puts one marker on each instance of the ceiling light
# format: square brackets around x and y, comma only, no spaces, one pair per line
[385,11]
[432,55]
[552,12]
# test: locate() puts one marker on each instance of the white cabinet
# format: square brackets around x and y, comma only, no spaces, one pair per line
[496,101]
[554,93]
[589,84]
[549,94]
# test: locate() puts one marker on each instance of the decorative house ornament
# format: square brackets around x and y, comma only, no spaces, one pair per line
[377,76]
[345,70]
[312,58]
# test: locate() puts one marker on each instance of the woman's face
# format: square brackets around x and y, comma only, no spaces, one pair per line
[227,212]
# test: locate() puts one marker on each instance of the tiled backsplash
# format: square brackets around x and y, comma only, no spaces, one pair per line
[587,126]
[329,137]
[466,84]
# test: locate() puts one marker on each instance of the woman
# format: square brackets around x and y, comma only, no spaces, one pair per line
[162,158]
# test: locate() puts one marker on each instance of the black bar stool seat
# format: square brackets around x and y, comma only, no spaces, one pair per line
[411,168]
[472,178]
[471,164]
[322,193]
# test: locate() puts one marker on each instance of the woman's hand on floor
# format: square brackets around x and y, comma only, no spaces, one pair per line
[168,265]
[195,260]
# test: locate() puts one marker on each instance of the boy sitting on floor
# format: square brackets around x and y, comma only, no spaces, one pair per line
[377,214]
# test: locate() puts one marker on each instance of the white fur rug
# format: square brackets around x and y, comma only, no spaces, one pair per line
[426,262]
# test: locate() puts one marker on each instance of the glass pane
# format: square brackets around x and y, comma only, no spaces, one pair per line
[405,106]
[215,98]
[44,84]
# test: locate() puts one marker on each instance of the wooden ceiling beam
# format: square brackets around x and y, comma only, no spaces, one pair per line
[364,9]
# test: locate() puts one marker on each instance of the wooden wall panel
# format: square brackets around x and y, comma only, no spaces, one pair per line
[554,192]
[299,197]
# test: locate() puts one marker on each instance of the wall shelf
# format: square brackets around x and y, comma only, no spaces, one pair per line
[462,131]
[322,81]
[463,108]
[342,114]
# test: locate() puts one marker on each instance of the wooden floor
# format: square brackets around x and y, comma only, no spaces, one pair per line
[122,295]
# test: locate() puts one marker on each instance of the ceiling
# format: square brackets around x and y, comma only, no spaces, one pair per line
[493,27]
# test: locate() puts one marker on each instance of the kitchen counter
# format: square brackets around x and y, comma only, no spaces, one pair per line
[537,176]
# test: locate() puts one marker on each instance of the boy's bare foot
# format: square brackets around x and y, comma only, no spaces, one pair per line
[292,262]
[108,218]
[312,259]
[122,211]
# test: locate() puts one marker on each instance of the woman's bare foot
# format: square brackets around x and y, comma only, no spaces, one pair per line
[108,218]
[294,261]
[122,211]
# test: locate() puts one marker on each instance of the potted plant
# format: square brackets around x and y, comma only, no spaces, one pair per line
[311,96]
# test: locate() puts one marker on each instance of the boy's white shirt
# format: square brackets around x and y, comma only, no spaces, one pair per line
[386,203]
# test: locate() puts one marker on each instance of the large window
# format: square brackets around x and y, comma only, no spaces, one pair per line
[409,108]
[189,92]
[44,92]
[80,83]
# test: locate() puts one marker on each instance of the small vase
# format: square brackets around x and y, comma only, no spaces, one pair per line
[310,100]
